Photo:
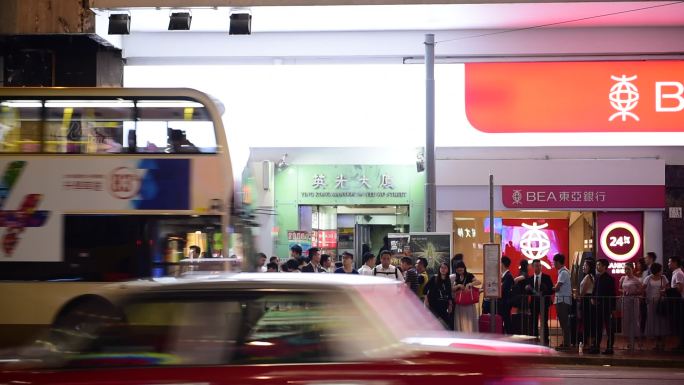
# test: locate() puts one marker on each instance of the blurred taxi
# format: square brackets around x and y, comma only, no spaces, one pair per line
[261,328]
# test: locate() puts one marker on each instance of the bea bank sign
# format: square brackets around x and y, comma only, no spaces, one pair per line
[576,96]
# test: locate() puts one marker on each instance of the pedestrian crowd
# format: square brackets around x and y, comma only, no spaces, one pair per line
[643,304]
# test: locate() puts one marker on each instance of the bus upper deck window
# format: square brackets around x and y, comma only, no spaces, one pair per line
[20,125]
[86,126]
[174,126]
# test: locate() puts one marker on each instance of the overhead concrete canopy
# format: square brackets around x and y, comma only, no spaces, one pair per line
[385,30]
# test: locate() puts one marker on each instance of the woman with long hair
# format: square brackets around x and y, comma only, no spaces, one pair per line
[465,316]
[438,295]
[587,309]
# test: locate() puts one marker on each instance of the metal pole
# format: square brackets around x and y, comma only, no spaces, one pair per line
[491,208]
[430,190]
[492,307]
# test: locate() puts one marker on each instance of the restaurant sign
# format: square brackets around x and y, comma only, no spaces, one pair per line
[583,197]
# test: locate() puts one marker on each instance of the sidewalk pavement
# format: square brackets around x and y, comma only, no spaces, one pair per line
[620,357]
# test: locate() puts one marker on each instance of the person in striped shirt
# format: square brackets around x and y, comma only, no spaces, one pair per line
[410,274]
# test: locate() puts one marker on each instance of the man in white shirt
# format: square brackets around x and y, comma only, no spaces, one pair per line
[368,264]
[261,263]
[563,298]
[677,274]
[384,269]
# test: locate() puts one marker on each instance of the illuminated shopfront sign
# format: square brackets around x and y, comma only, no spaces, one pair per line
[620,238]
[354,184]
[620,241]
[535,239]
[622,96]
[589,197]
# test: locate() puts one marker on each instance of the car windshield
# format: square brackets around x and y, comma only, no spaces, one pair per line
[401,311]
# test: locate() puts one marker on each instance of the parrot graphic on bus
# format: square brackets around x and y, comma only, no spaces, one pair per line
[16,221]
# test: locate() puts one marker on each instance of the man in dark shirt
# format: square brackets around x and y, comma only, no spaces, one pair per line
[296,252]
[504,303]
[604,293]
[315,265]
[410,274]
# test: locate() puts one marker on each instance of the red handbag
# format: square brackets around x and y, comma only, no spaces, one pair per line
[468,296]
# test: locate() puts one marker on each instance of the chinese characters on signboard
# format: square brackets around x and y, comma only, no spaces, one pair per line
[466,232]
[551,197]
[319,182]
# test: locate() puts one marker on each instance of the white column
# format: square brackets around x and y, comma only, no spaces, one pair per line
[445,222]
[653,233]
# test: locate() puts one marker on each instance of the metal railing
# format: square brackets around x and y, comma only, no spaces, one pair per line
[593,323]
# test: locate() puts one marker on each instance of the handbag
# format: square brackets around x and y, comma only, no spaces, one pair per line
[468,296]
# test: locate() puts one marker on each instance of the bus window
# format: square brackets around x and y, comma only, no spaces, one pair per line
[20,125]
[174,126]
[86,126]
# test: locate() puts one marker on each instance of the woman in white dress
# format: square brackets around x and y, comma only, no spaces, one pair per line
[630,288]
[654,287]
[465,316]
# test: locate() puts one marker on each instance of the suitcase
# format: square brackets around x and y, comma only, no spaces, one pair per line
[484,324]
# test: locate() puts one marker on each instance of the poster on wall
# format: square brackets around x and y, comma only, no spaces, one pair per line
[399,243]
[301,238]
[325,240]
[435,247]
[620,238]
[535,239]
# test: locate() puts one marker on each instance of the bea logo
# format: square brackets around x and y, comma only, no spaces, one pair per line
[124,183]
[624,97]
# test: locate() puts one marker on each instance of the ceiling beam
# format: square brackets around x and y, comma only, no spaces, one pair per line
[337,47]
[104,4]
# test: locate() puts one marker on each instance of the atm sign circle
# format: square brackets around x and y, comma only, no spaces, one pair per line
[620,241]
[124,183]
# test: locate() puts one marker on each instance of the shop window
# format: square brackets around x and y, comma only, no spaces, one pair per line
[20,126]
[471,231]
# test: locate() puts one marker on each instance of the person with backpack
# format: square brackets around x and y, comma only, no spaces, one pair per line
[384,269]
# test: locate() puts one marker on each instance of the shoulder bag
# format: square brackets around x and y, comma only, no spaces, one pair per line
[467,296]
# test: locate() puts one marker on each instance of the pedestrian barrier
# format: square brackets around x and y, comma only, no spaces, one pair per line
[597,323]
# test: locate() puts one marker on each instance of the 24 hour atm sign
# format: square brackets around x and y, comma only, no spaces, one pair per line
[576,97]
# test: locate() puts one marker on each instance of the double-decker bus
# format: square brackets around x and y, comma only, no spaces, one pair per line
[102,185]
